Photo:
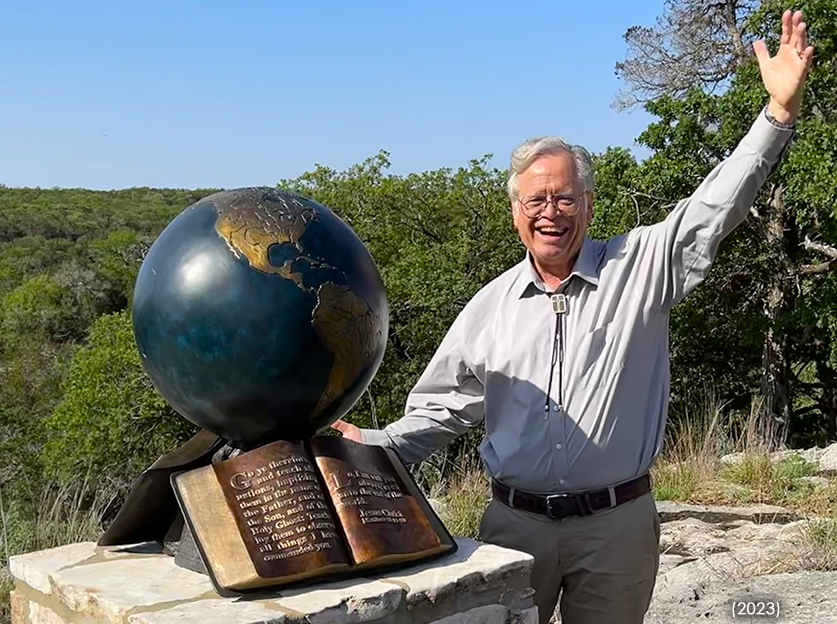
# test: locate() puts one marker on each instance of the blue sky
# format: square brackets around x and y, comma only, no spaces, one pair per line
[226,94]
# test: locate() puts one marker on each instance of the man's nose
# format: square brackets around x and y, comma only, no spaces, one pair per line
[550,211]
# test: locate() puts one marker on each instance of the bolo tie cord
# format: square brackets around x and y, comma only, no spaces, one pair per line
[559,307]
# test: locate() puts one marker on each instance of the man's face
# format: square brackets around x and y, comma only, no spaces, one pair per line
[554,237]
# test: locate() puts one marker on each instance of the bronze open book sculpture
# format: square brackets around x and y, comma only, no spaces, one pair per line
[287,512]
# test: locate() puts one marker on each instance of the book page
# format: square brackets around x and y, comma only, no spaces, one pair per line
[280,510]
[380,518]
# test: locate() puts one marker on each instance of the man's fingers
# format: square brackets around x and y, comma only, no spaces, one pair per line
[787,27]
[796,31]
[762,55]
[348,430]
[808,57]
[341,426]
[802,36]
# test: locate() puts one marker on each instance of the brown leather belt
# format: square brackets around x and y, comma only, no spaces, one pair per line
[557,506]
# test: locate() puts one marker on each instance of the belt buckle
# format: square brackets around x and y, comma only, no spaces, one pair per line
[549,499]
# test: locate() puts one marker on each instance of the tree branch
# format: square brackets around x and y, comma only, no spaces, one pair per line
[826,250]
[818,269]
[805,410]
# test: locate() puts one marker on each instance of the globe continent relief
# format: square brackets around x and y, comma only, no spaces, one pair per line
[259,315]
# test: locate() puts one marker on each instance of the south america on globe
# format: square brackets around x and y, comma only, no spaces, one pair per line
[259,316]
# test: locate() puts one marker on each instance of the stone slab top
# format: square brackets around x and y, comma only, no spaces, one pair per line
[671,511]
[140,586]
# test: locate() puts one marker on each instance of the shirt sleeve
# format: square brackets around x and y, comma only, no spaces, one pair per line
[683,246]
[445,403]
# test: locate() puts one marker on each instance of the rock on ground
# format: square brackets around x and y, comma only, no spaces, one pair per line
[826,459]
[804,598]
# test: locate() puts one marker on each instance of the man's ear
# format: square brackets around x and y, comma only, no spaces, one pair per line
[590,201]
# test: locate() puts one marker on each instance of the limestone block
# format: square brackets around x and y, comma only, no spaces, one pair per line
[214,611]
[527,616]
[492,614]
[805,598]
[669,562]
[80,583]
[473,566]
[809,455]
[488,614]
[345,602]
[732,458]
[41,614]
[19,608]
[112,588]
[477,574]
[25,611]
[828,460]
[34,568]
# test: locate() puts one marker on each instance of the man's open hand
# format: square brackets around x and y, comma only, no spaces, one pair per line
[349,431]
[784,74]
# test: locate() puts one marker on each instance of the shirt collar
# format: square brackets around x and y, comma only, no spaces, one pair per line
[586,267]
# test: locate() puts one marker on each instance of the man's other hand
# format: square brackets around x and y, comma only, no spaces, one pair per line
[784,74]
[349,431]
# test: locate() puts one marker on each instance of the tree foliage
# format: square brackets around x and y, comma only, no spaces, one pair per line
[110,420]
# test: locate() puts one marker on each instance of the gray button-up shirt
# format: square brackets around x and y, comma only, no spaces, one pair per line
[578,400]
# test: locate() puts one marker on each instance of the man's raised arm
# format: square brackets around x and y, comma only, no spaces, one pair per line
[681,249]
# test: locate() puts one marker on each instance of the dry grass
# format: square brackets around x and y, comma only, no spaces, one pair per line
[691,454]
[62,515]
[821,539]
[690,469]
[464,503]
[813,550]
[6,586]
[463,496]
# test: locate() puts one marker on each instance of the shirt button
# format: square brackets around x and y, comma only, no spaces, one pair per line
[561,481]
[558,446]
[556,408]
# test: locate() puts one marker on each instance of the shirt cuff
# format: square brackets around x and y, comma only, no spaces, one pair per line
[375,437]
[768,139]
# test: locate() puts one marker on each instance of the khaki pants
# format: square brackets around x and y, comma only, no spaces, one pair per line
[604,565]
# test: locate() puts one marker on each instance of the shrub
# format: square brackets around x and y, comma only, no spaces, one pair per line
[110,420]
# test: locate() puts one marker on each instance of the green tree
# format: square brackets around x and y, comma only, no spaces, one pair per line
[110,420]
[773,277]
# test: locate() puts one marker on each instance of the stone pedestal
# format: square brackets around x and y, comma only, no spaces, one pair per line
[83,584]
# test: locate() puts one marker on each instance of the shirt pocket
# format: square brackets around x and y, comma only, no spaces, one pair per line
[592,357]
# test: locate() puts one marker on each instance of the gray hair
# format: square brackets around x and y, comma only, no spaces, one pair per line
[527,152]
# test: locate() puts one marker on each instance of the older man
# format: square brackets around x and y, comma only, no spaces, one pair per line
[565,358]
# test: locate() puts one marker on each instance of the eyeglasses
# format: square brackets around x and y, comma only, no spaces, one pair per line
[534,205]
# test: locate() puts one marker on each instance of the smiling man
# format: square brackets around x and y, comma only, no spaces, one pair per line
[565,359]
